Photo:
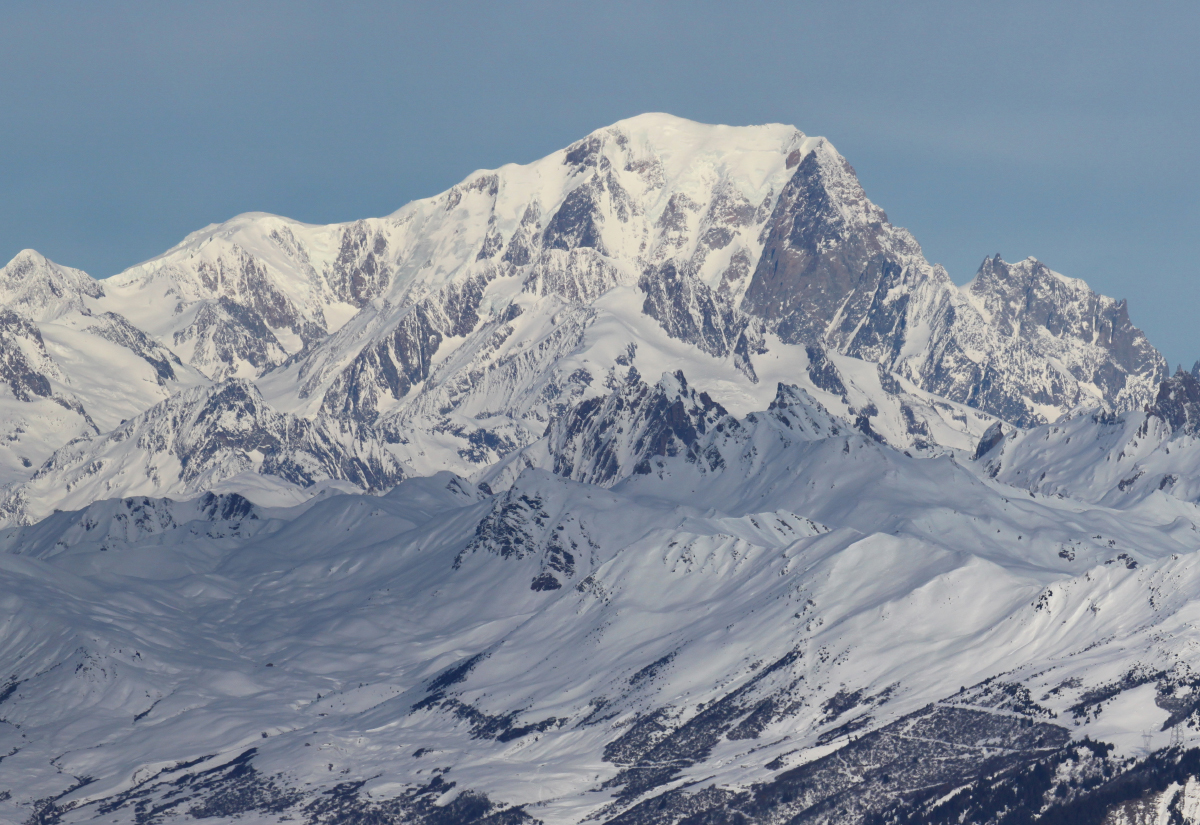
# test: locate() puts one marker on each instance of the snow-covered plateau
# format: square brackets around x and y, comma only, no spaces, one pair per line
[661,481]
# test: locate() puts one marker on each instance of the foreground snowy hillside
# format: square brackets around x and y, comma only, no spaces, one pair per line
[661,480]
[794,623]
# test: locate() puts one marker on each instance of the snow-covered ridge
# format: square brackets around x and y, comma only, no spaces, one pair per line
[222,437]
[1133,459]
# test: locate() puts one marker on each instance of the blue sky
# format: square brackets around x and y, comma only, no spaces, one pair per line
[1066,131]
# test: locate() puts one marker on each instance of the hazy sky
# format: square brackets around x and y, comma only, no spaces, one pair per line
[1062,130]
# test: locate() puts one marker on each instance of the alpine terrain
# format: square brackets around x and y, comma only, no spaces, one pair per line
[661,481]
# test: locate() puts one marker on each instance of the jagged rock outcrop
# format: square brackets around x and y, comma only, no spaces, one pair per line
[386,370]
[361,270]
[1060,320]
[993,436]
[24,362]
[604,439]
[1178,403]
[225,340]
[688,310]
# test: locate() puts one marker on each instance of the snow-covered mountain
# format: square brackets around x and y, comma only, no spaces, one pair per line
[224,436]
[661,480]
[461,326]
[71,368]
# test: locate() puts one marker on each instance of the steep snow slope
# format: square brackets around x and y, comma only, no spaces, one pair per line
[114,368]
[817,627]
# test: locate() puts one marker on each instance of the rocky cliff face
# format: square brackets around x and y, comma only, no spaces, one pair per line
[821,241]
[1020,342]
[1060,320]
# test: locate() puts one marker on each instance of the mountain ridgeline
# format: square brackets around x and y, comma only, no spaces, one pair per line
[661,481]
[459,327]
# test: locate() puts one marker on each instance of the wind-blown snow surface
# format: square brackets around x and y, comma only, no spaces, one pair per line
[713,502]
